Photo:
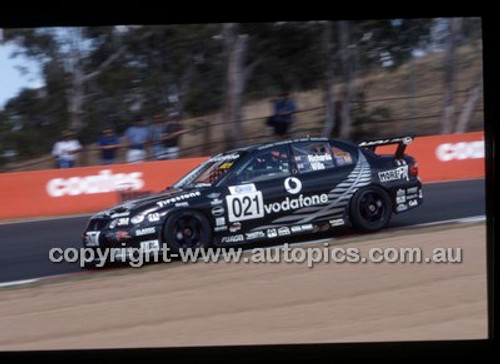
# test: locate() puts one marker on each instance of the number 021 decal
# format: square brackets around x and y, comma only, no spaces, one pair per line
[245,206]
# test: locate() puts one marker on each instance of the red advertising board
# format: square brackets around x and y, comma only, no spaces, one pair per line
[447,157]
[88,189]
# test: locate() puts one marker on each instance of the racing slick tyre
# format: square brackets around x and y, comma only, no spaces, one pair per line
[186,229]
[370,209]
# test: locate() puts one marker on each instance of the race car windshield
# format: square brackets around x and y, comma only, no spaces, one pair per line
[209,172]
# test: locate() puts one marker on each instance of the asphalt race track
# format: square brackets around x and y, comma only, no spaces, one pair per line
[24,246]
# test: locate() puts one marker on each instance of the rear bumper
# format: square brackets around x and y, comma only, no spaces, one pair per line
[407,196]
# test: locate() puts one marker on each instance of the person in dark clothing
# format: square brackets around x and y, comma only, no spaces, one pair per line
[109,144]
[171,135]
[157,133]
[283,117]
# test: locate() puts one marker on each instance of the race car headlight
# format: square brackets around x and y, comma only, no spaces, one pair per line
[137,219]
[113,223]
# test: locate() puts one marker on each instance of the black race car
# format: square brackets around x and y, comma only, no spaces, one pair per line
[265,192]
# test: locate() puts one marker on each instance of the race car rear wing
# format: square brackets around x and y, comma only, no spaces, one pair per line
[402,142]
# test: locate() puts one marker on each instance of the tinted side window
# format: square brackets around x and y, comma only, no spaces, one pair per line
[270,163]
[312,156]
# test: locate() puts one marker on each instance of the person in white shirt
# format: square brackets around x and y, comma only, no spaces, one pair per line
[138,138]
[65,150]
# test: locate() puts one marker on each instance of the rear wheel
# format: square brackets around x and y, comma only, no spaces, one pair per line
[186,229]
[371,209]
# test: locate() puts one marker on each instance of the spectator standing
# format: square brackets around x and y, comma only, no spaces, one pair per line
[138,137]
[157,133]
[109,144]
[172,133]
[65,149]
[283,117]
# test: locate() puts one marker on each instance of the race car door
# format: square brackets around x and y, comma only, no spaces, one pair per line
[256,192]
[320,168]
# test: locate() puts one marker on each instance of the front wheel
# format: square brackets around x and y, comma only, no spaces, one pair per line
[186,230]
[370,209]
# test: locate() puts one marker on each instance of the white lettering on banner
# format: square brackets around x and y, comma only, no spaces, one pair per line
[105,181]
[460,151]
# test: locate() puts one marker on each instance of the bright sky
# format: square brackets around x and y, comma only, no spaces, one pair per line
[11,79]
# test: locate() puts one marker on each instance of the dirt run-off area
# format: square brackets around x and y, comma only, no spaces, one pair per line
[197,304]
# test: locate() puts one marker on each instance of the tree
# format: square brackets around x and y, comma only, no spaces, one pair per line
[346,121]
[171,61]
[75,60]
[67,51]
[469,105]
[450,61]
[237,73]
[328,83]
[234,46]
[472,33]
[96,75]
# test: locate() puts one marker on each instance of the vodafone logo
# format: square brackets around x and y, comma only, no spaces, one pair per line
[293,185]
[105,181]
[459,151]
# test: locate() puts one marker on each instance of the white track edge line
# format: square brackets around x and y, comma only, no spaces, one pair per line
[19,283]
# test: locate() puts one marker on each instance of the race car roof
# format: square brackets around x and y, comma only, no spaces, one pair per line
[261,146]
